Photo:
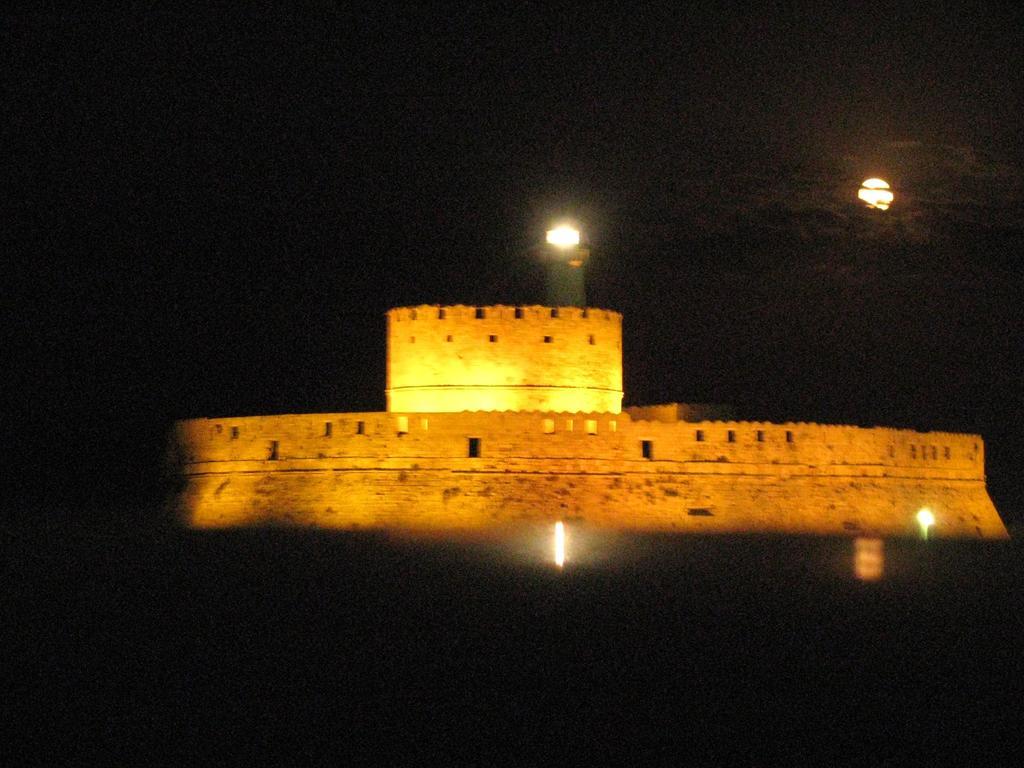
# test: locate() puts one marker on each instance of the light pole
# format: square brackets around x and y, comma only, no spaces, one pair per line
[565,258]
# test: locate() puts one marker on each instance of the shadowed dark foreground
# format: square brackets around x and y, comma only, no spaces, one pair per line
[299,645]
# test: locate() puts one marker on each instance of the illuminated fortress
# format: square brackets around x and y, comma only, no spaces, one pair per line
[500,417]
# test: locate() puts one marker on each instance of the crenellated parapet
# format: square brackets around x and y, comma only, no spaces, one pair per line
[500,417]
[504,358]
[582,437]
[489,469]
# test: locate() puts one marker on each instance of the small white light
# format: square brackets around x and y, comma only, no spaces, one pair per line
[559,544]
[563,237]
[926,520]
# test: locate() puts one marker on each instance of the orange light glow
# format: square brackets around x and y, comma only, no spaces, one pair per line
[868,559]
[875,193]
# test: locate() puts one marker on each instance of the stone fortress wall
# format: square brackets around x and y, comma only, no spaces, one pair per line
[502,416]
[504,358]
[604,471]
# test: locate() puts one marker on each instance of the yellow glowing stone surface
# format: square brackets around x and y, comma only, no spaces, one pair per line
[563,237]
[875,193]
[453,365]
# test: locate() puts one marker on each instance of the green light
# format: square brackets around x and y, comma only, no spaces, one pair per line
[926,520]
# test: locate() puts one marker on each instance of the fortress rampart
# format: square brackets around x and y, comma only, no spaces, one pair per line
[475,471]
[504,358]
[502,416]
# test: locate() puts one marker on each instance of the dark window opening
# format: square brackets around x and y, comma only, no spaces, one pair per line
[474,448]
[699,436]
[519,313]
[730,436]
[492,338]
[935,452]
[700,512]
[945,452]
[412,339]
[328,429]
[789,436]
[360,427]
[548,339]
[586,312]
[554,311]
[647,449]
[234,433]
[913,451]
[448,337]
[590,339]
[273,451]
[479,313]
[412,314]
[760,435]
[441,314]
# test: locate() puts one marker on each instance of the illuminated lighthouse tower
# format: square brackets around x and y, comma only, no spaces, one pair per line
[565,258]
[562,357]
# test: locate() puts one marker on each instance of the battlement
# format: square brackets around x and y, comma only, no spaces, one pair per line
[501,312]
[504,358]
[672,412]
[583,437]
[432,470]
[503,416]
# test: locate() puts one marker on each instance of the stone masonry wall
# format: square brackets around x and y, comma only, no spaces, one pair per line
[413,471]
[503,358]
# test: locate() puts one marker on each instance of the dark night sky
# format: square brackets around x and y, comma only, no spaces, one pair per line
[209,210]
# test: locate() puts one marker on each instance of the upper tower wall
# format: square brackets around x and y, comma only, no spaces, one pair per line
[502,358]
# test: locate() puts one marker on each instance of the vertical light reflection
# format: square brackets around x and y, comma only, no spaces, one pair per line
[926,520]
[868,558]
[559,544]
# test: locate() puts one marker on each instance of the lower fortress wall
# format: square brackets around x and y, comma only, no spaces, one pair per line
[413,472]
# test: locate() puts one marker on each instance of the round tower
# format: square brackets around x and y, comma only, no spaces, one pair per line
[502,358]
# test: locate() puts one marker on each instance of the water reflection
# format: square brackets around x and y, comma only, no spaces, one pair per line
[868,558]
[559,544]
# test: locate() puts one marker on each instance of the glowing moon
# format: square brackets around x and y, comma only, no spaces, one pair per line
[876,194]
